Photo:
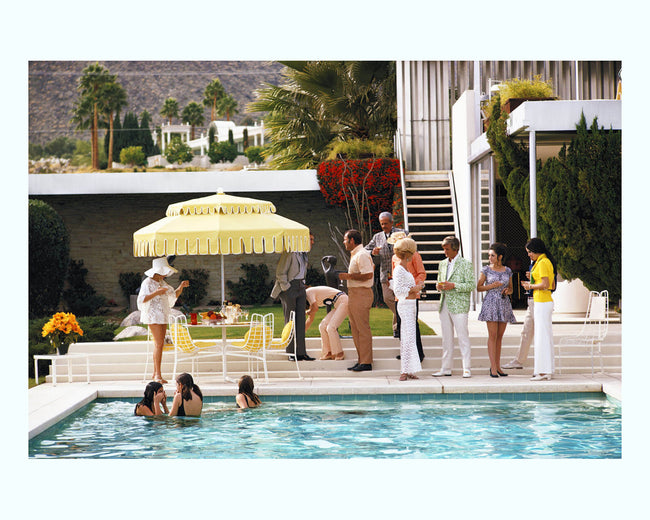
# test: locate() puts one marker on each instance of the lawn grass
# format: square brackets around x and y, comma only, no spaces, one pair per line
[381,320]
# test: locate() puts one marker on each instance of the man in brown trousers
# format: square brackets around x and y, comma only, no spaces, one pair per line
[360,279]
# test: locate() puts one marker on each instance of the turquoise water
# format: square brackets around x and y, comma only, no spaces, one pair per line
[337,427]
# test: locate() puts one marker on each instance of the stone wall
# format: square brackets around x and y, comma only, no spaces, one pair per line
[101,231]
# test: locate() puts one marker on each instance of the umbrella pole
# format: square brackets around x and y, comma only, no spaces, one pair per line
[223,283]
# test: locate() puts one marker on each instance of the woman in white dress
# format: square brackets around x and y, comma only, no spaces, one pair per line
[155,300]
[406,291]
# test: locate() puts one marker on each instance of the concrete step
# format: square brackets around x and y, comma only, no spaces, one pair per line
[126,360]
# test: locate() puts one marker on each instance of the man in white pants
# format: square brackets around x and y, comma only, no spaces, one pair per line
[527,334]
[456,282]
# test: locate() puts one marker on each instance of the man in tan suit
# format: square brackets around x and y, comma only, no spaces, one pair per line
[360,279]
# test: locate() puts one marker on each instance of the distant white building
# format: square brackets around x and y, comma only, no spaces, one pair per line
[222,129]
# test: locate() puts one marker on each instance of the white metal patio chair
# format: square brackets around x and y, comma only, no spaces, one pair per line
[593,331]
[256,339]
[278,345]
[184,347]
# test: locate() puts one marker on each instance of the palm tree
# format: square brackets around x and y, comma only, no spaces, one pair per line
[213,93]
[324,101]
[169,109]
[193,115]
[113,100]
[227,106]
[87,107]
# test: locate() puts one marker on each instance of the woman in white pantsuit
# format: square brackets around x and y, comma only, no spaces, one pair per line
[542,282]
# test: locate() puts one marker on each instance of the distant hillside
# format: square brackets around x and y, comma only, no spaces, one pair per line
[52,88]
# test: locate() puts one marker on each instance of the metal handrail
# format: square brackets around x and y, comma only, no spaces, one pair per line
[398,141]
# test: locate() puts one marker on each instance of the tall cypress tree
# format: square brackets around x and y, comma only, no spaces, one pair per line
[131,131]
[580,210]
[145,134]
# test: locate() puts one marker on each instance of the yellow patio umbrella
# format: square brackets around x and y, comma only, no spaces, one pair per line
[220,224]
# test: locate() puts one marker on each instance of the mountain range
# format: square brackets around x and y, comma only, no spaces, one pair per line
[53,89]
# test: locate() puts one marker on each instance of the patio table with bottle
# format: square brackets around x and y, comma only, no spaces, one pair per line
[230,316]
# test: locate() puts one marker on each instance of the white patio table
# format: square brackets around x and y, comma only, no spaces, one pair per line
[223,325]
[68,357]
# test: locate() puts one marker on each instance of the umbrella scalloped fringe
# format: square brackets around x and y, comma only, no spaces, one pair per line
[158,247]
[220,203]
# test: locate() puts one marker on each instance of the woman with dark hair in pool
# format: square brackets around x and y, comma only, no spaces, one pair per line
[154,401]
[246,398]
[188,399]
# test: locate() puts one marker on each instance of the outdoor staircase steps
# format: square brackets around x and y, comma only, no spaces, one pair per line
[429,203]
[125,361]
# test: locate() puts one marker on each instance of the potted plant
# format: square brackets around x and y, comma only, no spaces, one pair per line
[62,330]
[515,91]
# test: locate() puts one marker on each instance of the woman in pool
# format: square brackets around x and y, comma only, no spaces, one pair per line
[155,300]
[496,311]
[542,283]
[406,291]
[188,399]
[246,398]
[154,401]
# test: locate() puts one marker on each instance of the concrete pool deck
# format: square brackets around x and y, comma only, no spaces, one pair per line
[49,404]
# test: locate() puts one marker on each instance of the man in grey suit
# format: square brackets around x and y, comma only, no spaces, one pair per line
[379,246]
[290,287]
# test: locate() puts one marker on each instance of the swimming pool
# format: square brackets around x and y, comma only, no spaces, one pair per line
[320,427]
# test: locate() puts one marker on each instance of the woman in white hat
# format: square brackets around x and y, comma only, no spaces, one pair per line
[155,300]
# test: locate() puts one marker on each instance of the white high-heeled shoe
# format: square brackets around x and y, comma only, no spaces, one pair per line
[541,377]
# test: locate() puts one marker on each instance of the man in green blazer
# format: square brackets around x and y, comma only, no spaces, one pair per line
[455,282]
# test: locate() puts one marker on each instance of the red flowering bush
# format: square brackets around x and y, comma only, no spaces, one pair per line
[367,184]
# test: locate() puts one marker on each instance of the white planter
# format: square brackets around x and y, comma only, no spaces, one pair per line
[571,297]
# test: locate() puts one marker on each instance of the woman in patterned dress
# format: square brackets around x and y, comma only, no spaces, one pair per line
[406,291]
[496,311]
[155,300]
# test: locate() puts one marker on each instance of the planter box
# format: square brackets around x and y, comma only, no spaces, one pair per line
[513,103]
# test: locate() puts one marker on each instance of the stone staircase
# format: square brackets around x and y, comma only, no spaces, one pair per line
[125,361]
[430,218]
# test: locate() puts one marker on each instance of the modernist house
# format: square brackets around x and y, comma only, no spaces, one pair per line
[448,158]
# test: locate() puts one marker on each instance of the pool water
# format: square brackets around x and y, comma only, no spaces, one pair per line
[374,427]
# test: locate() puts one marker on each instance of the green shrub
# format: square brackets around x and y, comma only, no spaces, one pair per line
[49,255]
[253,288]
[222,152]
[133,156]
[525,88]
[81,298]
[130,283]
[314,277]
[197,290]
[360,149]
[178,152]
[96,329]
[255,154]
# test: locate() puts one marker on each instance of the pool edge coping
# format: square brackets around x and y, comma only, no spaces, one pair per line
[55,403]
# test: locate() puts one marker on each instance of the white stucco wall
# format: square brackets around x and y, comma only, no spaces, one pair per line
[464,129]
[172,182]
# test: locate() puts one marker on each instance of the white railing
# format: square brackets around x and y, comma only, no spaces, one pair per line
[398,148]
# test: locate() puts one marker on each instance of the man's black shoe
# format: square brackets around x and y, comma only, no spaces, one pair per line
[399,357]
[363,367]
[353,367]
[396,334]
[421,358]
[302,358]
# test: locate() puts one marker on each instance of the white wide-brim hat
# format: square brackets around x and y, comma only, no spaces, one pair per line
[161,267]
